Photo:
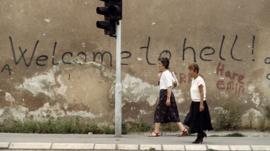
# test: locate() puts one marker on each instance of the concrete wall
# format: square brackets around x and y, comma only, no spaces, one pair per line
[51,65]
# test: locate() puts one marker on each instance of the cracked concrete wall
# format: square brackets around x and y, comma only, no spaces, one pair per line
[56,63]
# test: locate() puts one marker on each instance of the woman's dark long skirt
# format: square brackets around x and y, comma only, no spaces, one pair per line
[198,121]
[164,113]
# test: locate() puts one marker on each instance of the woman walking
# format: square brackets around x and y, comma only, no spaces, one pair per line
[166,110]
[198,118]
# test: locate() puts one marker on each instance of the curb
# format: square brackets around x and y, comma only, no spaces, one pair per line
[163,147]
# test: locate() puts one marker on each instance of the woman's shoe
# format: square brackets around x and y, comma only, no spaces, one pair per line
[184,133]
[199,140]
[204,134]
[154,134]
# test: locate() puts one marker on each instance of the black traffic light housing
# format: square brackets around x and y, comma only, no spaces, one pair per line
[112,12]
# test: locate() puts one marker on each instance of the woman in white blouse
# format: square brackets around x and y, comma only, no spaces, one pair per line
[198,118]
[166,109]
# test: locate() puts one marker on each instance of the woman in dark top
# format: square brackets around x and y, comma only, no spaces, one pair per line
[166,110]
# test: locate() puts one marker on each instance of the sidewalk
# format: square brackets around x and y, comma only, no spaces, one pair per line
[253,141]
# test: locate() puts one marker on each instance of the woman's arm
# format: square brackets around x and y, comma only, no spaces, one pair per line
[159,75]
[201,97]
[169,93]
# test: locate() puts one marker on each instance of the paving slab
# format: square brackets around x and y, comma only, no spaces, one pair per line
[72,146]
[30,145]
[128,147]
[173,147]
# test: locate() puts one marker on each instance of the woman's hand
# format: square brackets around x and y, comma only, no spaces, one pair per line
[201,107]
[168,102]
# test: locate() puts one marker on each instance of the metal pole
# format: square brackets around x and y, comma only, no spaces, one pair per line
[118,85]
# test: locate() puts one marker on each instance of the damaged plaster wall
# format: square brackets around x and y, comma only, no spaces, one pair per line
[56,63]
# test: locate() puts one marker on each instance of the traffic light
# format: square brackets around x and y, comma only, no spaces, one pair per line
[112,12]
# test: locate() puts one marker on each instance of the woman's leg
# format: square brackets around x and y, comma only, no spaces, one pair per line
[182,128]
[201,134]
[157,128]
[156,132]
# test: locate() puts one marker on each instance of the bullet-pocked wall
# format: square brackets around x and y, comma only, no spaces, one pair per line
[55,62]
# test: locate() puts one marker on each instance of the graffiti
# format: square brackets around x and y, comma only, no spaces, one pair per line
[267,61]
[43,60]
[125,55]
[7,67]
[268,76]
[205,54]
[229,80]
[164,53]
[147,47]
[208,51]
[253,46]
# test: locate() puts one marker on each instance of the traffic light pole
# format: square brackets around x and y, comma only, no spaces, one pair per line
[118,85]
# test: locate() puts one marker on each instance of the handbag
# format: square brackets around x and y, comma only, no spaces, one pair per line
[175,81]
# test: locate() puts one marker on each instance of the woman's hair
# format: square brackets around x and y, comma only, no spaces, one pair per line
[165,62]
[194,67]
